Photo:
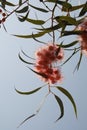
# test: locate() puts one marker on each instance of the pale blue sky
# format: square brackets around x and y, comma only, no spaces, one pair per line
[14,108]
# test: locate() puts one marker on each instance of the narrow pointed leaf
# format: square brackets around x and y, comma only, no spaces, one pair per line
[51,1]
[66,93]
[23,18]
[75,32]
[4,28]
[39,34]
[7,3]
[66,6]
[24,60]
[63,3]
[37,111]
[79,62]
[3,3]
[27,55]
[38,40]
[76,7]
[23,10]
[67,19]
[39,9]
[84,10]
[10,4]
[37,22]
[20,2]
[71,8]
[69,57]
[28,93]
[49,29]
[69,45]
[26,119]
[60,103]
[41,74]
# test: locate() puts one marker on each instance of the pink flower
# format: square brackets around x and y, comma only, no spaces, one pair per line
[83,36]
[50,52]
[46,57]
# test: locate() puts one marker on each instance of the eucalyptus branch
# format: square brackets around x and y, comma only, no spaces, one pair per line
[53,20]
[16,8]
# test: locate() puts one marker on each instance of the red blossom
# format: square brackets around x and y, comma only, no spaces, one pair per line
[3,16]
[46,57]
[83,36]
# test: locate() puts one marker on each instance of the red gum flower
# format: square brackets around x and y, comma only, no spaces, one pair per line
[45,59]
[0,10]
[3,16]
[83,36]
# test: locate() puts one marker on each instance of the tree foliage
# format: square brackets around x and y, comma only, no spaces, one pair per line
[60,22]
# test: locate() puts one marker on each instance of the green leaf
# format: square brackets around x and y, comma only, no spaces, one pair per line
[69,45]
[24,60]
[51,1]
[37,111]
[20,2]
[76,7]
[84,10]
[65,5]
[66,93]
[26,119]
[70,56]
[8,3]
[41,74]
[23,10]
[28,93]
[50,29]
[3,3]
[62,3]
[75,32]
[39,34]
[23,18]
[67,19]
[37,22]
[39,9]
[27,55]
[38,40]
[4,28]
[60,103]
[79,62]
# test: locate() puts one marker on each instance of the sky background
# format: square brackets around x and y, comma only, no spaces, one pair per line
[14,108]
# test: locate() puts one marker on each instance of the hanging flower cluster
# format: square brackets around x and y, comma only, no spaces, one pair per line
[46,63]
[83,36]
[48,58]
[2,16]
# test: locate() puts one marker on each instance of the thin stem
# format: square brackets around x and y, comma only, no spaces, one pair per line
[16,9]
[53,21]
[49,88]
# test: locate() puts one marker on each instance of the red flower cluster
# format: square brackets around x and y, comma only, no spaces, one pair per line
[46,61]
[83,36]
[3,16]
